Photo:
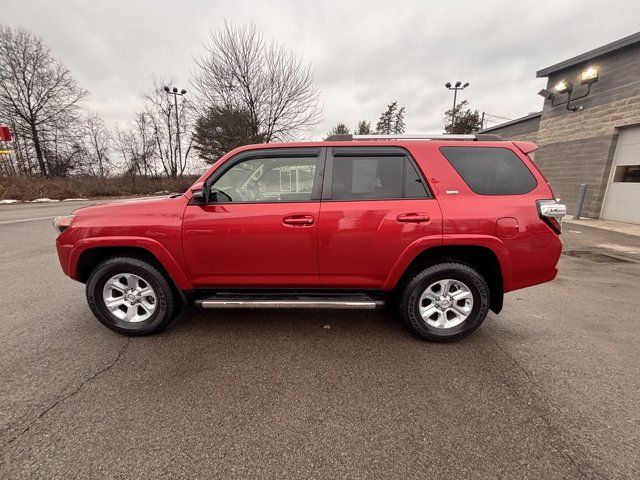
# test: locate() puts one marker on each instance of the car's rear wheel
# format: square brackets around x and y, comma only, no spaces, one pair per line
[131,296]
[445,302]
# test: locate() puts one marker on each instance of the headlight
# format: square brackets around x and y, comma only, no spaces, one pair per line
[62,223]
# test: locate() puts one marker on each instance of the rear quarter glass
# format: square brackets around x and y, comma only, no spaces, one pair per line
[530,156]
[491,170]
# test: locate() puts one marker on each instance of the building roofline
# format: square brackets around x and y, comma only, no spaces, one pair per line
[512,122]
[591,54]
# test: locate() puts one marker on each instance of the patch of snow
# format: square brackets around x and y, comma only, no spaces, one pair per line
[8,202]
[43,200]
[161,192]
[74,199]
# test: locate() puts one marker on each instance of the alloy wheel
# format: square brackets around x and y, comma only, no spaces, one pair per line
[446,303]
[129,298]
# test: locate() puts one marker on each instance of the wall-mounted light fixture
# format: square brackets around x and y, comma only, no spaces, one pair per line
[563,86]
[588,77]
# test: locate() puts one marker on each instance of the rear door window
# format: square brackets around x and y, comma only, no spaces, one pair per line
[490,170]
[375,178]
[413,185]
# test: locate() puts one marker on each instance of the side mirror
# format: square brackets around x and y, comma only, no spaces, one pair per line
[199,196]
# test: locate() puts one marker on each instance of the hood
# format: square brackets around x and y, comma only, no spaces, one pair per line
[125,203]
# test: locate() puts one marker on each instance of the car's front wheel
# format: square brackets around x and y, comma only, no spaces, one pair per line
[445,302]
[131,296]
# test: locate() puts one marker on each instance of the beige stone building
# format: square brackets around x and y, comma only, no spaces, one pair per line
[594,139]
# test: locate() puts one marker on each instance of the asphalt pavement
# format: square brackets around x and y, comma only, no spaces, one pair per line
[550,388]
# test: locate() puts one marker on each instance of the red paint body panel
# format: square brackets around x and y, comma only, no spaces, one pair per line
[364,244]
[470,219]
[507,227]
[5,134]
[361,241]
[249,244]
[526,147]
[154,224]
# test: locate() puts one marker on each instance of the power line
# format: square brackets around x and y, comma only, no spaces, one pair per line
[485,118]
[497,116]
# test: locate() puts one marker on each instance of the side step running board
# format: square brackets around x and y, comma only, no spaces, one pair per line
[363,303]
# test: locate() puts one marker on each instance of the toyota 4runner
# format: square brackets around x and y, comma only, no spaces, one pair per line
[442,226]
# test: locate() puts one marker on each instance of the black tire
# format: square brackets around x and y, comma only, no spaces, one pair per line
[471,278]
[166,303]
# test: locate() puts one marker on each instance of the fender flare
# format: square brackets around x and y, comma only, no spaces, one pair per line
[421,245]
[154,247]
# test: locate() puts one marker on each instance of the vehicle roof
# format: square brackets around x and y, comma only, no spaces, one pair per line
[375,143]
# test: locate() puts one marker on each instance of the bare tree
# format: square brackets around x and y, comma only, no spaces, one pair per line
[144,144]
[160,115]
[38,94]
[96,141]
[127,145]
[244,72]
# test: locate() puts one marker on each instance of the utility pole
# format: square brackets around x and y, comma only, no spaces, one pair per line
[455,89]
[174,92]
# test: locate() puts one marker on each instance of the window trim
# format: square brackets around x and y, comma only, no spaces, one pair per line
[535,179]
[354,152]
[623,168]
[293,152]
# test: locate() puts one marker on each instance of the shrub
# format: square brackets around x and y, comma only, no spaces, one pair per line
[30,188]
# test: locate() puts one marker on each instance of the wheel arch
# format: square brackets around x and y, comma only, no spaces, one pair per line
[93,256]
[481,258]
[88,253]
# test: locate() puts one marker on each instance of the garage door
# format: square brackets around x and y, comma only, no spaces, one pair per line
[622,201]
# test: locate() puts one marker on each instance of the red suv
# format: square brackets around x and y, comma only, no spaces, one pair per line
[443,225]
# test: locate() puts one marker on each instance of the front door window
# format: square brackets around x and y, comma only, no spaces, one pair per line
[266,180]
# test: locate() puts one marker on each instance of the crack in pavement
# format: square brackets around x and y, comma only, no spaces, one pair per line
[71,393]
[584,468]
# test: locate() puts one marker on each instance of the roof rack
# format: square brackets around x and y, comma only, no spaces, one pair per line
[471,137]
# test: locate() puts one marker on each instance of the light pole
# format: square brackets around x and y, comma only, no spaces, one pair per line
[455,89]
[174,91]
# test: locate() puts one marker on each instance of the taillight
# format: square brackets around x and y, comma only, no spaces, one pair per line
[551,212]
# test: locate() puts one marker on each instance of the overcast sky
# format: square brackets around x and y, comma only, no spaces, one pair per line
[364,54]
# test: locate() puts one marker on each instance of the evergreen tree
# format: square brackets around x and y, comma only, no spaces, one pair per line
[339,129]
[398,121]
[222,129]
[465,120]
[387,119]
[363,128]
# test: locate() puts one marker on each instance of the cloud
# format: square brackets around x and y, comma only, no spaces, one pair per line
[364,53]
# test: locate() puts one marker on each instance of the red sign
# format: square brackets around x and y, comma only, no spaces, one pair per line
[5,134]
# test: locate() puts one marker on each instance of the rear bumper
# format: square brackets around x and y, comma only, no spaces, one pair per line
[542,277]
[540,266]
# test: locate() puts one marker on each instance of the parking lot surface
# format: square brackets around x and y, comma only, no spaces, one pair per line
[547,389]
